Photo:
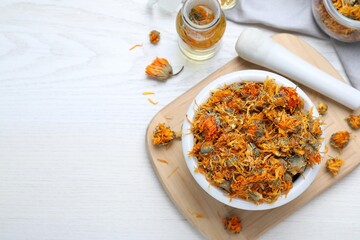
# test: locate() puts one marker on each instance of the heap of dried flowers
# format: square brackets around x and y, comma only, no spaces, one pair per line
[348,10]
[253,139]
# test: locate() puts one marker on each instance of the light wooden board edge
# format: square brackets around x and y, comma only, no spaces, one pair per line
[268,218]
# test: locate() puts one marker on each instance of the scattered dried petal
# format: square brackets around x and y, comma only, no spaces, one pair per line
[339,140]
[232,224]
[163,161]
[148,93]
[135,46]
[172,172]
[334,164]
[326,149]
[154,36]
[353,121]
[197,215]
[162,134]
[322,108]
[152,101]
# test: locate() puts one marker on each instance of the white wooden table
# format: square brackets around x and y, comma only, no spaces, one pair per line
[73,162]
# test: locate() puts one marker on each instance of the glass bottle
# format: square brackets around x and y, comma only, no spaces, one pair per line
[200,25]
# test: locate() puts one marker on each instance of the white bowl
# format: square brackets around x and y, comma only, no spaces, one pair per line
[300,184]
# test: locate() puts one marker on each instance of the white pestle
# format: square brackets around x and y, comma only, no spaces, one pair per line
[255,46]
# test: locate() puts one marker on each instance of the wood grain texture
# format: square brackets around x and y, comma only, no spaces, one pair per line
[188,196]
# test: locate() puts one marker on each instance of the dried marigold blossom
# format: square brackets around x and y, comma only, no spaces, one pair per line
[293,100]
[232,224]
[162,134]
[353,121]
[160,69]
[252,139]
[154,36]
[208,127]
[334,164]
[322,108]
[201,15]
[340,139]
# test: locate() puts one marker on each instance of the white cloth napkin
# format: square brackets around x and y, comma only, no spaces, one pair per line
[295,16]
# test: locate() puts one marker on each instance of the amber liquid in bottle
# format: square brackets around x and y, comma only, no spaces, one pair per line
[200,28]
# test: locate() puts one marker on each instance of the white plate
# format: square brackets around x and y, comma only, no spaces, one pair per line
[299,186]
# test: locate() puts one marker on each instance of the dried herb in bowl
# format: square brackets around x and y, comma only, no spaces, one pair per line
[340,19]
[254,139]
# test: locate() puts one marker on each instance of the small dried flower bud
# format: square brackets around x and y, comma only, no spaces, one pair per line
[160,69]
[333,165]
[340,139]
[353,121]
[154,36]
[322,108]
[232,224]
[163,134]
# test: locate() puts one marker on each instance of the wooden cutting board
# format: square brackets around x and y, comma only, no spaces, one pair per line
[206,213]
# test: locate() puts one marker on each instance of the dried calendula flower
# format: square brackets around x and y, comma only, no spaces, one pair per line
[232,224]
[201,15]
[293,100]
[154,36]
[160,69]
[208,127]
[334,164]
[322,108]
[162,134]
[340,139]
[353,121]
